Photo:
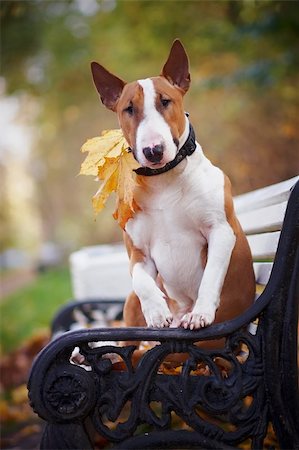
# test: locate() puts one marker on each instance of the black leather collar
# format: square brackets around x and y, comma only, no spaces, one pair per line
[186,150]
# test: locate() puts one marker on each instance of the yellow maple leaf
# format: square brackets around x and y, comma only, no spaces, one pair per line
[109,159]
[109,185]
[109,145]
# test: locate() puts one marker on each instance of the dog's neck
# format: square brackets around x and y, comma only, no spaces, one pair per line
[179,175]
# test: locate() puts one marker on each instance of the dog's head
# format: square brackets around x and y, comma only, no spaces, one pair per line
[150,111]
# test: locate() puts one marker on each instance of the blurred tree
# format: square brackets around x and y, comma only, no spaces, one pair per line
[244,103]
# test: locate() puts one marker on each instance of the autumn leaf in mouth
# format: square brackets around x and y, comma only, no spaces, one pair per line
[110,161]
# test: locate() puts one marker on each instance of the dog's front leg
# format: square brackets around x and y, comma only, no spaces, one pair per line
[221,241]
[152,299]
[144,274]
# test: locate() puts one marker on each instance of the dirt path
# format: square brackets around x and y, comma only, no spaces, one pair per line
[12,281]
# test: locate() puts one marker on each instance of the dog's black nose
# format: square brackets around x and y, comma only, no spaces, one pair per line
[154,154]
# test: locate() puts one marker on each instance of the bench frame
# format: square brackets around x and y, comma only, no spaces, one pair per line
[260,390]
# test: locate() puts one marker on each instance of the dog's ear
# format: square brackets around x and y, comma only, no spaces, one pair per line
[176,68]
[108,85]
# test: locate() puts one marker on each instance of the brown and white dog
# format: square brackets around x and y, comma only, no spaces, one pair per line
[190,261]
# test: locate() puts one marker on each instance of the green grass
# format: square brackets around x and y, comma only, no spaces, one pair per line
[31,309]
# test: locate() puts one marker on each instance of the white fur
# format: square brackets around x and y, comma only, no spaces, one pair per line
[153,129]
[221,240]
[182,211]
[153,303]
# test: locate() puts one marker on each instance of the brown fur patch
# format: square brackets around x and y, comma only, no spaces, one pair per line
[239,285]
[133,315]
[174,112]
[132,95]
[135,254]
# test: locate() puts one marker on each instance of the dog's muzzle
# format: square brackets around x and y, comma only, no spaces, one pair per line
[154,154]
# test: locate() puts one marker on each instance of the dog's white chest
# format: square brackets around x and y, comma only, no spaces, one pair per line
[176,251]
[173,225]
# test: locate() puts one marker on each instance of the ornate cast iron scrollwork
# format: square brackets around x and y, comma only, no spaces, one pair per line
[64,396]
[215,393]
[110,384]
[70,392]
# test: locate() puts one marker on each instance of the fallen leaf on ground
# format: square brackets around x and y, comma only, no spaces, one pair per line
[14,413]
[20,394]
[15,366]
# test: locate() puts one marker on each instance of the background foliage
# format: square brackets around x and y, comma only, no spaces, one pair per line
[243,101]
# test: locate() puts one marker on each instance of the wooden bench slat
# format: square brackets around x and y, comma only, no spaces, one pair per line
[267,196]
[263,220]
[262,272]
[263,246]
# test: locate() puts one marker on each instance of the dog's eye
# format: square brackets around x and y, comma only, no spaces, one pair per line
[165,102]
[129,110]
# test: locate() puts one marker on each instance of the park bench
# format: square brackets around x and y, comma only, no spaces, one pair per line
[226,398]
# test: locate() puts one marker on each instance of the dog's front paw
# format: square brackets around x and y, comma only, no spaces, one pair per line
[157,314]
[197,319]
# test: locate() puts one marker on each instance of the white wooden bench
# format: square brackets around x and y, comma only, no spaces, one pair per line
[261,213]
[216,398]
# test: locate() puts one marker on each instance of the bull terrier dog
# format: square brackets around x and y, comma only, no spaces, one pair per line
[190,261]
